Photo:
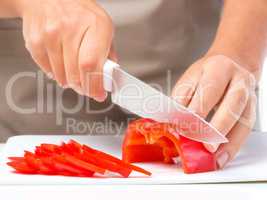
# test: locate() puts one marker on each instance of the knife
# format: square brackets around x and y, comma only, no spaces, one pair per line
[145,101]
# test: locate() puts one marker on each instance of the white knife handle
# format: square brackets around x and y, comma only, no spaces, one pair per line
[107,74]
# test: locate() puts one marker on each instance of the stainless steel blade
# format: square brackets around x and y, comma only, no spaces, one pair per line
[139,98]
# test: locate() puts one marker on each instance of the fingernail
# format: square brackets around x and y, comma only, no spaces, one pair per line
[211,147]
[222,160]
[76,88]
[101,98]
[72,86]
[79,91]
[50,75]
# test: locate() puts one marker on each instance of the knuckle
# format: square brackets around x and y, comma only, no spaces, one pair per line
[241,96]
[52,30]
[35,42]
[89,64]
[253,98]
[106,20]
[216,60]
[251,80]
[239,92]
[248,78]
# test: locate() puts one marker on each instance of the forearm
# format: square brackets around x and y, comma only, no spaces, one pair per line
[9,8]
[242,33]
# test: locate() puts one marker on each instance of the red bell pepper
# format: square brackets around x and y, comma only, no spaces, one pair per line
[22,167]
[70,159]
[147,140]
[118,162]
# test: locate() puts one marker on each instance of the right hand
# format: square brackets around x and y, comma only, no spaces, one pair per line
[70,40]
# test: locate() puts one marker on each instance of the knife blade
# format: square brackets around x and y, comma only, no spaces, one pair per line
[145,101]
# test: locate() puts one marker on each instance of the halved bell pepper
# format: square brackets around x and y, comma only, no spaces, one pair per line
[147,141]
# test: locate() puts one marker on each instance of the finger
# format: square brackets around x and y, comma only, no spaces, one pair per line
[55,54]
[93,53]
[39,55]
[35,45]
[71,46]
[230,110]
[91,61]
[186,85]
[238,135]
[211,87]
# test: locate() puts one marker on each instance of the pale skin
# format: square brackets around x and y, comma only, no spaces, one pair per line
[71,39]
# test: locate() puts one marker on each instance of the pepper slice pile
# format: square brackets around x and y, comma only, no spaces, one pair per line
[70,159]
[147,141]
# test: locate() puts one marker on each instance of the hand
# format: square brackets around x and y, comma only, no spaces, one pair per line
[70,40]
[218,83]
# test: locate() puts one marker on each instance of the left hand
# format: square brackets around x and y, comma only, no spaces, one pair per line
[217,83]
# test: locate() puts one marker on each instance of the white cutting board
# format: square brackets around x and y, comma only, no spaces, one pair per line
[250,165]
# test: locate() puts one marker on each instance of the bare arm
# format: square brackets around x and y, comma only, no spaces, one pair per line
[242,33]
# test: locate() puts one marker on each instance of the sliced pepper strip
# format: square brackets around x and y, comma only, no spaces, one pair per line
[16,158]
[63,166]
[21,167]
[93,156]
[82,164]
[106,156]
[106,164]
[37,164]
[70,159]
